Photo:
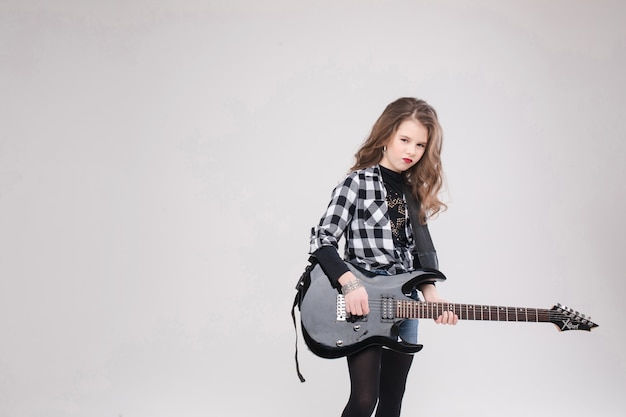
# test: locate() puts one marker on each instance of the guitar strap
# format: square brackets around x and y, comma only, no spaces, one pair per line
[301,287]
[424,249]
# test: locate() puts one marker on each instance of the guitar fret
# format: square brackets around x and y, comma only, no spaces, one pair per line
[422,309]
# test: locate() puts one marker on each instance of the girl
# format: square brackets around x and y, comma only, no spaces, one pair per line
[401,155]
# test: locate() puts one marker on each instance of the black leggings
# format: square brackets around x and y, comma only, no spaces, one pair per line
[377,375]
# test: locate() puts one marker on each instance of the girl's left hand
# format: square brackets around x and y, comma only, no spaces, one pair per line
[431,295]
[448,317]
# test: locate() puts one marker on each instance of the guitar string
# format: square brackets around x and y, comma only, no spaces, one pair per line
[467,308]
[476,307]
[546,317]
[479,313]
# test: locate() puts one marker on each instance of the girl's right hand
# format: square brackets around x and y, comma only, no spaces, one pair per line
[356,300]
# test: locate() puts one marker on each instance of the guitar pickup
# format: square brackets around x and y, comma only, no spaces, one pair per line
[388,305]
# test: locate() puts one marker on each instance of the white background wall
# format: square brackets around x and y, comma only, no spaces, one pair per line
[162,162]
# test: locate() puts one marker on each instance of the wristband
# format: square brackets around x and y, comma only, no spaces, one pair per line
[351,286]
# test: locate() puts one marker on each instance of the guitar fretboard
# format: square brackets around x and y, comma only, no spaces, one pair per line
[420,309]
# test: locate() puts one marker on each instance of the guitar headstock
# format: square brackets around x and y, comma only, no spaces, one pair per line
[567,319]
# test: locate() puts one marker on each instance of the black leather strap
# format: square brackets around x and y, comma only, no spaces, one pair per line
[301,287]
[424,249]
[296,302]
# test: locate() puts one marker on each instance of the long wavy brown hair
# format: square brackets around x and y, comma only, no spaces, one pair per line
[426,177]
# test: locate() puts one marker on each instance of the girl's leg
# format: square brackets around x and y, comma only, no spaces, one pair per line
[364,368]
[393,374]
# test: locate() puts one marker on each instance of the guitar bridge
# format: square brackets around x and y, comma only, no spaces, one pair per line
[341,308]
[342,315]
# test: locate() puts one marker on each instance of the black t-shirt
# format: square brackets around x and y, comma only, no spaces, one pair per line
[394,184]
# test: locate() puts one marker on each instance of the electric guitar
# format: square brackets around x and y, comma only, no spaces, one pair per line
[330,332]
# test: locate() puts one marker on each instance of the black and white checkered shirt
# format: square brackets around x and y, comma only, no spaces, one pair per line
[358,209]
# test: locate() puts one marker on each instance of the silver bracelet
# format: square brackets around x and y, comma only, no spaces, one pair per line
[351,286]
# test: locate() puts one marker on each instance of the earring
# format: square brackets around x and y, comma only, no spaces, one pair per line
[384,148]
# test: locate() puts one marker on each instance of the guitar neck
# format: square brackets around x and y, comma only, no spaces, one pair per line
[420,309]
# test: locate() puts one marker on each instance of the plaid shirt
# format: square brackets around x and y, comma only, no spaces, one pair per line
[358,208]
